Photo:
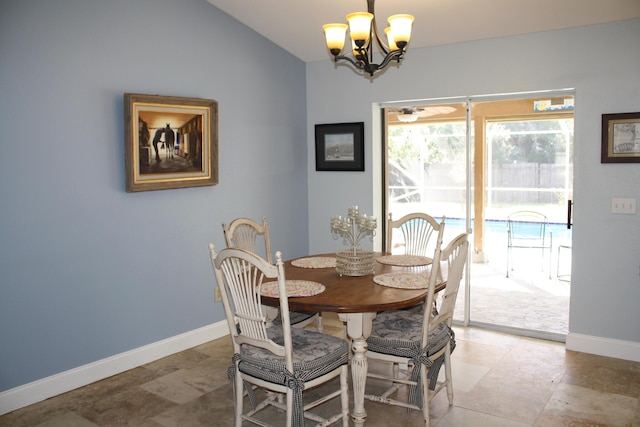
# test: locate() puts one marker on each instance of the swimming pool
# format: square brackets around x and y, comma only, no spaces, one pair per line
[455,226]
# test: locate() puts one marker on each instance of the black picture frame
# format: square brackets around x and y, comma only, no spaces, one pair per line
[620,138]
[340,147]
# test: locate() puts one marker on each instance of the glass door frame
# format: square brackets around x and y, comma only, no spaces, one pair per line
[381,196]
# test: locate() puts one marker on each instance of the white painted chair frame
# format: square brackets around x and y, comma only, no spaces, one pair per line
[417,229]
[240,275]
[454,258]
[243,233]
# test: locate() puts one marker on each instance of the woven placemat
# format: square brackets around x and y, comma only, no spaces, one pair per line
[295,288]
[405,260]
[403,280]
[315,262]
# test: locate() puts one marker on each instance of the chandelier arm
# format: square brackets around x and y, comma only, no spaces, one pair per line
[353,62]
[374,33]
[365,58]
[396,54]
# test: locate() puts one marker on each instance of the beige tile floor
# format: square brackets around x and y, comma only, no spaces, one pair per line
[499,380]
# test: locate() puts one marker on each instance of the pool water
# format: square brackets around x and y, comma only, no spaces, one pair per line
[455,226]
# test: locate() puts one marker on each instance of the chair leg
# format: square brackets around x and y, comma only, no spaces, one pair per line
[425,393]
[239,398]
[447,373]
[289,407]
[319,322]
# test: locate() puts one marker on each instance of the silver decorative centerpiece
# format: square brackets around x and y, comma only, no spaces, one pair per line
[354,261]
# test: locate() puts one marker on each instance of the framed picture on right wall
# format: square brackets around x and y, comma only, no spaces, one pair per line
[620,138]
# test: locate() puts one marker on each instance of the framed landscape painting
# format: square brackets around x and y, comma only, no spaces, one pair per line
[340,147]
[620,138]
[170,142]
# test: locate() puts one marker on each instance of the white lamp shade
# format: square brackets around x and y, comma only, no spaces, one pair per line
[390,41]
[401,27]
[335,35]
[360,25]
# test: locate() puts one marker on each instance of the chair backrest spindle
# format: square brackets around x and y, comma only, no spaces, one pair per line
[243,233]
[417,231]
[240,275]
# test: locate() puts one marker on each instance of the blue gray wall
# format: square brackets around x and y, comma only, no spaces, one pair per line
[602,63]
[87,270]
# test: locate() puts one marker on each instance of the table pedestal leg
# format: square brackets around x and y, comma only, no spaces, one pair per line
[358,329]
[270,313]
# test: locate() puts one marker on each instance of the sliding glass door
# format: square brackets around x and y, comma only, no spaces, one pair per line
[474,162]
[427,164]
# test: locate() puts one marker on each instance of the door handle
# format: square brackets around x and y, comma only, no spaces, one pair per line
[569,208]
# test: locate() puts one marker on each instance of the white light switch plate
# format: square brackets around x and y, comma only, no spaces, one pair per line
[621,205]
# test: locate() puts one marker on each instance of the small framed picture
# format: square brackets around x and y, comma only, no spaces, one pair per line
[620,138]
[170,142]
[340,147]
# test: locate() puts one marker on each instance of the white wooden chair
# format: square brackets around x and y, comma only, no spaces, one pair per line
[417,230]
[421,233]
[421,341]
[243,233]
[281,360]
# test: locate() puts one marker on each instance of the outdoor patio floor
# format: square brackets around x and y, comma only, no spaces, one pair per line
[528,299]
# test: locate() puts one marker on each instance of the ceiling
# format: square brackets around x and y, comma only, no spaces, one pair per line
[296,25]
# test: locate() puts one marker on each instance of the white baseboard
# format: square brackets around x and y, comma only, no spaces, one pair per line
[627,350]
[45,388]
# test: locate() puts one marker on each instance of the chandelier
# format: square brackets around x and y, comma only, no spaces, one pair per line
[364,36]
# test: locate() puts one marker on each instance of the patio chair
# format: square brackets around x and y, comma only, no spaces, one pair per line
[281,360]
[243,233]
[528,230]
[421,341]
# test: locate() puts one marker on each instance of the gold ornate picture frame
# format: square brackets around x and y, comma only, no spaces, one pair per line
[170,142]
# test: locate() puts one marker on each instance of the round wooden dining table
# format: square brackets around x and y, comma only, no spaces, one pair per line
[357,300]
